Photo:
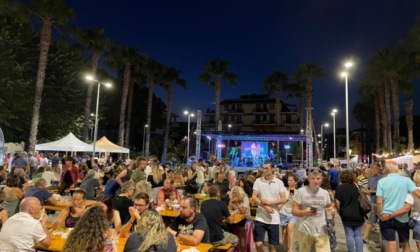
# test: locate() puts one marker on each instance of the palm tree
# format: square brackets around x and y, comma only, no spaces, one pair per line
[124,57]
[413,47]
[170,76]
[94,41]
[129,109]
[151,69]
[391,62]
[274,83]
[50,13]
[297,89]
[308,72]
[215,71]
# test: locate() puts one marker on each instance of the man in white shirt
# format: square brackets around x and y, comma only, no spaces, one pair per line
[49,176]
[27,227]
[43,161]
[268,193]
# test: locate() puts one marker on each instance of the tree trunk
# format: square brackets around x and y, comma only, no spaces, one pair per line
[88,104]
[168,122]
[45,41]
[121,129]
[217,90]
[388,117]
[409,119]
[309,94]
[381,96]
[396,110]
[149,117]
[301,110]
[377,126]
[129,109]
[278,109]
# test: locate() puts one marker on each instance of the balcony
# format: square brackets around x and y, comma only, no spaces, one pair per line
[296,121]
[263,122]
[260,110]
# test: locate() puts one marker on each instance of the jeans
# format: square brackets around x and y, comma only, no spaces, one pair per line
[354,237]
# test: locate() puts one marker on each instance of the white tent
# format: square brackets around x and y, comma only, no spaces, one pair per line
[67,143]
[107,146]
[408,159]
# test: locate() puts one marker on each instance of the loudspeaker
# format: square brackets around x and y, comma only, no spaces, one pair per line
[289,158]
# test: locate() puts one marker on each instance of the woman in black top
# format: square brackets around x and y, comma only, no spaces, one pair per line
[156,176]
[348,206]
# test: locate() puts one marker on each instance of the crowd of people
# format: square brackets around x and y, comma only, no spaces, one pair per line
[277,205]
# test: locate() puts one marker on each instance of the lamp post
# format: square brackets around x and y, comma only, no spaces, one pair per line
[189,115]
[334,111]
[144,136]
[91,125]
[322,139]
[209,138]
[301,147]
[347,65]
[95,135]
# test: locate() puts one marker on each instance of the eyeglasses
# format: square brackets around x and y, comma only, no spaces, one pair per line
[315,170]
[139,205]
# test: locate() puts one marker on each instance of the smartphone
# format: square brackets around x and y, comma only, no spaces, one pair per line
[292,192]
[313,209]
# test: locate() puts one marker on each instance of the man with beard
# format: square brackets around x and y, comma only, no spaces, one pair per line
[190,228]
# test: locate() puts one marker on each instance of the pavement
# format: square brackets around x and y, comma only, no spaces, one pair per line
[341,239]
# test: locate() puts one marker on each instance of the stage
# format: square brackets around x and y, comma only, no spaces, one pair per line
[249,151]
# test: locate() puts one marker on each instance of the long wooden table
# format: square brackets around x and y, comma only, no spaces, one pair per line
[57,245]
[202,247]
[62,204]
[169,213]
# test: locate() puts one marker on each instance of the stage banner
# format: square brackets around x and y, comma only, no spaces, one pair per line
[1,148]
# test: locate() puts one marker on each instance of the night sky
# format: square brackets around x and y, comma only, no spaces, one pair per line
[256,37]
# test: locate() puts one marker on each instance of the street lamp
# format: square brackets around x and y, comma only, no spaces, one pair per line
[322,141]
[209,138]
[108,85]
[188,138]
[334,111]
[345,74]
[144,136]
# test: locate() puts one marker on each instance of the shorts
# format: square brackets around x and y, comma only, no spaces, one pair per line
[273,232]
[389,227]
[285,220]
[416,236]
[227,238]
[373,217]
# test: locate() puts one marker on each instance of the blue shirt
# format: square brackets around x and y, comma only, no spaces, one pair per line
[373,185]
[394,189]
[42,194]
[334,174]
[111,187]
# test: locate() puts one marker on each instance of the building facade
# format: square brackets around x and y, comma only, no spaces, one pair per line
[253,113]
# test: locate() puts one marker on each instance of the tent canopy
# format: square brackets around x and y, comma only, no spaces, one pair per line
[67,143]
[107,146]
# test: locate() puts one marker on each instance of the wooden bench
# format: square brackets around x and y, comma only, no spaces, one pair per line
[224,247]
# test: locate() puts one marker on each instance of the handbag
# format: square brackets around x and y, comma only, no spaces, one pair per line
[364,203]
